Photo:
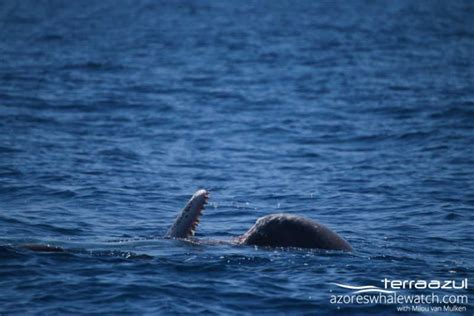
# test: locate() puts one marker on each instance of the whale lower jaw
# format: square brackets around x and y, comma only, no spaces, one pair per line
[186,222]
[275,230]
[285,230]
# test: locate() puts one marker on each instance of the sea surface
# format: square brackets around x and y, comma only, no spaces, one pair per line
[357,114]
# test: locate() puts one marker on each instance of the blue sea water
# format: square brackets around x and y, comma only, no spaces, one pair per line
[358,114]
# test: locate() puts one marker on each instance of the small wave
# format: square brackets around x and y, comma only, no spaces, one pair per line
[11,220]
[8,252]
[18,19]
[400,88]
[8,150]
[93,66]
[415,135]
[244,260]
[26,118]
[10,172]
[57,229]
[118,153]
[118,254]
[51,38]
[452,216]
[463,111]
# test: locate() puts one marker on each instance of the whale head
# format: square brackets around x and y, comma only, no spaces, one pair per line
[186,222]
[286,230]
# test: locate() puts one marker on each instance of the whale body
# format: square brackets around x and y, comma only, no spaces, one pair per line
[274,230]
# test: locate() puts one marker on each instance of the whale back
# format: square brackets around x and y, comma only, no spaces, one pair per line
[285,230]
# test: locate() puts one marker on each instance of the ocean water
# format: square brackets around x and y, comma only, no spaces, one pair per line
[358,114]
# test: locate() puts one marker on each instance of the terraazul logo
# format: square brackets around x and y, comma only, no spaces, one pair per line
[408,295]
[391,285]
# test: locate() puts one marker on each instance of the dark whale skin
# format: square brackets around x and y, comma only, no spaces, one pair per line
[285,230]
